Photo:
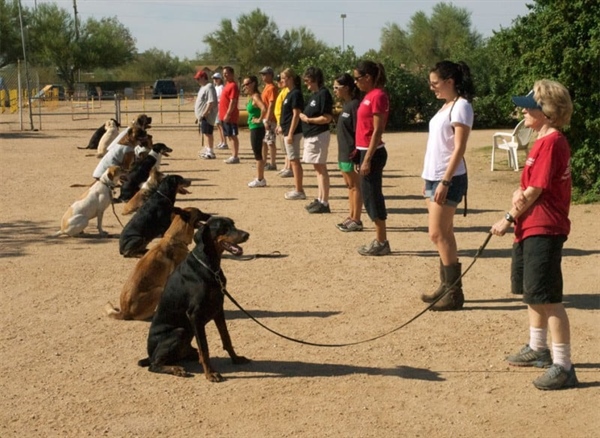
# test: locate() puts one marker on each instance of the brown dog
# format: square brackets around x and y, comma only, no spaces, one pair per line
[144,193]
[192,297]
[142,290]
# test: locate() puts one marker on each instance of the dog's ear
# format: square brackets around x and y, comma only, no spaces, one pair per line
[185,215]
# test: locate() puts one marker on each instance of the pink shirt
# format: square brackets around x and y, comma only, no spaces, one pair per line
[375,101]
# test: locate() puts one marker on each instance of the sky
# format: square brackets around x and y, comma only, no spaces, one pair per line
[179,26]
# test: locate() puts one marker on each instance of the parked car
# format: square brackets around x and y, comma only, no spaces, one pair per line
[164,88]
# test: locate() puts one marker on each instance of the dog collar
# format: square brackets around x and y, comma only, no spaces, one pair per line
[215,273]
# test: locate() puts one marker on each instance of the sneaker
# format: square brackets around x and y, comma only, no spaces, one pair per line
[351,225]
[343,224]
[257,183]
[207,155]
[293,195]
[313,204]
[375,249]
[319,208]
[556,377]
[232,160]
[222,146]
[286,173]
[530,358]
[269,166]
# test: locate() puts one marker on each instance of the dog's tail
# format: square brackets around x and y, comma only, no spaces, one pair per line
[112,311]
[144,362]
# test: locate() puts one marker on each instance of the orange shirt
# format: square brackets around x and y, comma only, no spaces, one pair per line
[268,96]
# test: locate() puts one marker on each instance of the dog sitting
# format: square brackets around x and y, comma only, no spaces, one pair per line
[97,135]
[149,187]
[121,153]
[92,204]
[192,297]
[141,293]
[153,218]
[112,131]
[141,171]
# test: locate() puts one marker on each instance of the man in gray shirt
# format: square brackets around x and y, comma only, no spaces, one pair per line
[206,110]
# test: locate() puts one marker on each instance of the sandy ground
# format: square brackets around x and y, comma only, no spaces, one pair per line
[69,371]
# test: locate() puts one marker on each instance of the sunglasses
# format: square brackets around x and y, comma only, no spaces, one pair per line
[337,87]
[358,78]
[245,84]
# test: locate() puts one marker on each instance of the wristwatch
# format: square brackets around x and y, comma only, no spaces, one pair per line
[446,183]
[509,217]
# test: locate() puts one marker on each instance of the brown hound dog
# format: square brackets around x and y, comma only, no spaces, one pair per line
[142,290]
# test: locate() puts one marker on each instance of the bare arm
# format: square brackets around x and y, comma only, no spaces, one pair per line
[461,135]
[522,201]
[378,124]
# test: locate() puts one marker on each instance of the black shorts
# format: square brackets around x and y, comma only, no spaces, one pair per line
[256,140]
[536,271]
[205,127]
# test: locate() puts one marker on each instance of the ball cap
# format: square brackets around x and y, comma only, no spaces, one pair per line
[217,76]
[266,71]
[527,101]
[201,74]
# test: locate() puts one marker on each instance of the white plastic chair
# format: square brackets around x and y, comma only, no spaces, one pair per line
[511,142]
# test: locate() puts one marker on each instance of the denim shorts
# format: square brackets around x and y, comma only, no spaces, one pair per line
[456,191]
[535,269]
[230,129]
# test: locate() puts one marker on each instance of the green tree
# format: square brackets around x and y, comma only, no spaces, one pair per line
[560,40]
[53,41]
[10,33]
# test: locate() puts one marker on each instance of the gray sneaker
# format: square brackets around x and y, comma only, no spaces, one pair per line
[232,160]
[556,377]
[530,358]
[375,248]
[313,204]
[350,226]
[319,208]
[286,173]
[270,166]
[293,195]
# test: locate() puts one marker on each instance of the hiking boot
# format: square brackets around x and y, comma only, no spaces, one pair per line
[257,183]
[430,298]
[453,298]
[319,209]
[556,377]
[350,226]
[293,195]
[530,358]
[375,248]
[269,166]
[232,160]
[286,173]
[313,204]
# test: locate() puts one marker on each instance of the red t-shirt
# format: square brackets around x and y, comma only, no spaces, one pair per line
[375,101]
[230,92]
[548,168]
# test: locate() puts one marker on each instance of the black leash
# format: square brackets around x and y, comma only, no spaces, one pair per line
[347,344]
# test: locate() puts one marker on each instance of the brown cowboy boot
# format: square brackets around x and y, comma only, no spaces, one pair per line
[454,298]
[430,298]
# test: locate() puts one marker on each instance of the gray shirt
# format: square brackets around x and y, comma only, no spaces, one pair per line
[207,95]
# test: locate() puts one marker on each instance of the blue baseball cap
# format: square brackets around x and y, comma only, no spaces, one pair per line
[527,101]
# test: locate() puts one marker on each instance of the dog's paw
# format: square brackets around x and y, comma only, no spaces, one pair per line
[240,360]
[214,377]
[180,372]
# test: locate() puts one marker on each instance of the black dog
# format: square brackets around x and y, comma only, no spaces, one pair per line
[141,171]
[97,135]
[192,297]
[153,218]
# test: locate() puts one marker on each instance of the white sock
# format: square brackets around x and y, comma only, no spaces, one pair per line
[325,203]
[538,338]
[561,355]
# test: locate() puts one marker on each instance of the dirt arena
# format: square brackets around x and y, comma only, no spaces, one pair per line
[69,371]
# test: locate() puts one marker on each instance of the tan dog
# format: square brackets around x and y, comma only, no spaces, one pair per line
[149,186]
[92,204]
[112,130]
[142,290]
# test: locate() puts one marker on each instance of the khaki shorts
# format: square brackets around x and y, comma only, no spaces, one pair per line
[293,150]
[270,133]
[316,148]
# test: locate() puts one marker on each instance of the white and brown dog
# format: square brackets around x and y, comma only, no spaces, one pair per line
[112,131]
[92,204]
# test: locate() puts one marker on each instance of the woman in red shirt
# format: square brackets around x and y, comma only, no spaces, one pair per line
[372,116]
[540,214]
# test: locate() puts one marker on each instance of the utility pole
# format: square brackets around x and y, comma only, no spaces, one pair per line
[76,21]
[343,17]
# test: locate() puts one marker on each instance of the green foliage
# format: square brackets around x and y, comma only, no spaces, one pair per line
[10,33]
[255,42]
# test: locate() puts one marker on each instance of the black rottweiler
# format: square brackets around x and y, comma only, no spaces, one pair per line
[192,297]
[97,135]
[141,171]
[153,218]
